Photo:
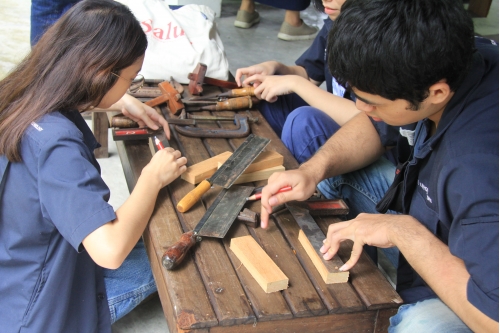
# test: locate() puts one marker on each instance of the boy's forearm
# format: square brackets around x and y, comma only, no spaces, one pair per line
[354,146]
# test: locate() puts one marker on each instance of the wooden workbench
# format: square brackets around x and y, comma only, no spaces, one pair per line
[212,292]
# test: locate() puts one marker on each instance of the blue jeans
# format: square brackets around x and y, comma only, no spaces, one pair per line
[130,284]
[44,13]
[430,316]
[362,190]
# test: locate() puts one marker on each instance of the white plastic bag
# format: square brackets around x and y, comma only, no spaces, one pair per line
[179,39]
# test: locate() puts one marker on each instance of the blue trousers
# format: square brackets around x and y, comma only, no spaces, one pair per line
[302,128]
[130,284]
[44,13]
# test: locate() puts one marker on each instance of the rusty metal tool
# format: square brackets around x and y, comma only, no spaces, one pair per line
[197,78]
[314,235]
[248,91]
[241,131]
[237,103]
[249,217]
[215,223]
[227,174]
[221,118]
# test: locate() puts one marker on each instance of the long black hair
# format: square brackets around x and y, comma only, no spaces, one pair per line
[69,68]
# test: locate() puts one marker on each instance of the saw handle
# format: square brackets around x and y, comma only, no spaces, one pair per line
[192,197]
[176,252]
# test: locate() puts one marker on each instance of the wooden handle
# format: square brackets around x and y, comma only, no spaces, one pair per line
[249,91]
[192,197]
[244,102]
[176,252]
[122,122]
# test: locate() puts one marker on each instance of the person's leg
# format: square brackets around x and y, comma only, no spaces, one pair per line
[362,190]
[44,13]
[294,28]
[130,284]
[306,129]
[432,316]
[247,16]
[276,113]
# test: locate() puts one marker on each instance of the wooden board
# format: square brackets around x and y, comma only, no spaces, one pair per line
[203,170]
[329,271]
[257,175]
[255,259]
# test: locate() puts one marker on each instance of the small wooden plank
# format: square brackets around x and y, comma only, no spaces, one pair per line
[203,170]
[329,270]
[263,269]
[371,285]
[338,297]
[257,175]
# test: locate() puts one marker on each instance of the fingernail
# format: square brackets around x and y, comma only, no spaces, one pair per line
[322,250]
[343,268]
[273,201]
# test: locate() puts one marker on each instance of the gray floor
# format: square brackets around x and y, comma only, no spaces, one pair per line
[243,48]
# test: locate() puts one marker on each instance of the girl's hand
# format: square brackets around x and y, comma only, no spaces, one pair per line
[142,114]
[165,166]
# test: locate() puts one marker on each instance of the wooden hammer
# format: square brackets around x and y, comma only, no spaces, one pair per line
[197,78]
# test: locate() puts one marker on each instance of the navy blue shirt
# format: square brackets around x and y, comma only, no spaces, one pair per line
[52,200]
[314,59]
[451,184]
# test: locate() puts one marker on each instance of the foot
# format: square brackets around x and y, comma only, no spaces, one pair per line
[290,33]
[245,19]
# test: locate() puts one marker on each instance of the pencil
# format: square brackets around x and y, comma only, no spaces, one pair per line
[257,196]
[158,143]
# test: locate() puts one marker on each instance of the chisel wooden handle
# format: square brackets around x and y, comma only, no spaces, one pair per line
[192,197]
[248,91]
[236,103]
[176,252]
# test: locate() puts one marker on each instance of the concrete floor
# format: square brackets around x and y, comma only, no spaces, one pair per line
[243,48]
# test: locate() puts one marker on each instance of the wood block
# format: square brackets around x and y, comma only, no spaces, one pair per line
[267,274]
[203,170]
[257,175]
[327,269]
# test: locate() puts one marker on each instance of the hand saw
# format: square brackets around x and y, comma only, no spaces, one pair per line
[215,223]
[227,174]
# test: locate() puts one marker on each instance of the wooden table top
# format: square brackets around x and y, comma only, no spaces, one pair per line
[211,291]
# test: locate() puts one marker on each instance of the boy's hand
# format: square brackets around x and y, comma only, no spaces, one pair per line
[265,68]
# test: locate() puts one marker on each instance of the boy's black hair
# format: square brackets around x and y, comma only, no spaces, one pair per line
[397,49]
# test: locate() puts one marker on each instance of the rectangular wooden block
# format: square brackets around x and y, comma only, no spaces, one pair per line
[267,274]
[203,170]
[257,175]
[329,270]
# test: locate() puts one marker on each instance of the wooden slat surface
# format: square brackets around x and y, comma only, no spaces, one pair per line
[212,292]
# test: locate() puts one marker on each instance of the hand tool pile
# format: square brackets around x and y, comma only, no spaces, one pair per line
[172,93]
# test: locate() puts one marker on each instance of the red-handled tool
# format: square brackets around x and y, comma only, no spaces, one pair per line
[257,196]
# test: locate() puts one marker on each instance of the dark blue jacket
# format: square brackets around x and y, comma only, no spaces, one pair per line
[451,184]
